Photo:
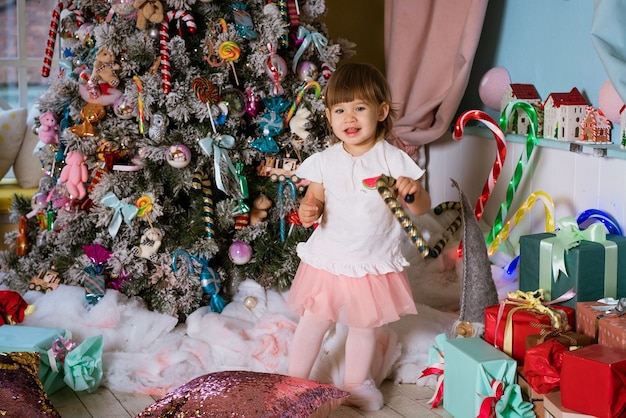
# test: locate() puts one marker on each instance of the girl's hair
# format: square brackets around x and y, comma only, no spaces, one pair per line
[358,81]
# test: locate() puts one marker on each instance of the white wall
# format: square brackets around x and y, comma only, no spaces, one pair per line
[575,182]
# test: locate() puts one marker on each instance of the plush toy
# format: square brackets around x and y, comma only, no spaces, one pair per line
[13,308]
[149,244]
[49,130]
[148,11]
[104,68]
[300,122]
[259,209]
[75,174]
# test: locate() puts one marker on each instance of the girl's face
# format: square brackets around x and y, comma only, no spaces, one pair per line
[354,123]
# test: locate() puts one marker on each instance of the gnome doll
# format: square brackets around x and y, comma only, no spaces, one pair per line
[478,290]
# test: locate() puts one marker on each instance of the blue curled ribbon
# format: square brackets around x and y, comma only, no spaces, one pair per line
[218,147]
[209,280]
[123,211]
[307,39]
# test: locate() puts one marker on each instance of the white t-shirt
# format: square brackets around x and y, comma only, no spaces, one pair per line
[358,234]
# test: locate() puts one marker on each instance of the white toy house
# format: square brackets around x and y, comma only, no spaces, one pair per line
[563,114]
[595,127]
[519,122]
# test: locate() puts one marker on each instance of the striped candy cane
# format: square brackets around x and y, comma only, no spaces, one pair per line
[54,30]
[450,230]
[201,181]
[281,185]
[500,155]
[384,186]
[531,141]
[294,105]
[164,38]
[519,215]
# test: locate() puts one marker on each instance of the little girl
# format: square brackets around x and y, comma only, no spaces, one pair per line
[352,267]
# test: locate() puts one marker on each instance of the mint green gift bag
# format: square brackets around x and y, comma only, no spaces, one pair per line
[83,365]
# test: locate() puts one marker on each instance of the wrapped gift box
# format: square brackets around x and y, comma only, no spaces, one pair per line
[585,266]
[530,395]
[470,366]
[593,380]
[554,408]
[588,317]
[612,331]
[14,338]
[569,339]
[522,323]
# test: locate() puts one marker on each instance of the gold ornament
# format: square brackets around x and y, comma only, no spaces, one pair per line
[90,113]
[250,302]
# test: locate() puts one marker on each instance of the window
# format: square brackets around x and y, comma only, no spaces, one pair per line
[24,27]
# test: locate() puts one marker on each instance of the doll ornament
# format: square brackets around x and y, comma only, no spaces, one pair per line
[75,174]
[48,132]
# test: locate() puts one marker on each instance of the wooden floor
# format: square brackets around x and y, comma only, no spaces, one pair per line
[400,401]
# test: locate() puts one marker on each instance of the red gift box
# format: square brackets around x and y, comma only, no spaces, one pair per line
[593,380]
[508,324]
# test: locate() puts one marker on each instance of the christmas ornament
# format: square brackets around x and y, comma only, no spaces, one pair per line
[310,85]
[226,177]
[92,87]
[54,28]
[48,132]
[148,11]
[230,52]
[144,206]
[271,124]
[282,180]
[90,114]
[307,71]
[158,127]
[164,38]
[300,123]
[206,91]
[243,21]
[309,38]
[21,242]
[250,302]
[241,207]
[253,103]
[260,206]
[209,281]
[104,68]
[149,244]
[240,252]
[123,108]
[95,281]
[75,174]
[276,69]
[141,115]
[327,70]
[178,156]
[123,8]
[236,101]
[121,212]
[202,182]
[117,280]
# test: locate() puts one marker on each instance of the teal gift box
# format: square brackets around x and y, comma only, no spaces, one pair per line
[595,270]
[470,368]
[19,338]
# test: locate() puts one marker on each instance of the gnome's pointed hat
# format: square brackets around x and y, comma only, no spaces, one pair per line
[478,290]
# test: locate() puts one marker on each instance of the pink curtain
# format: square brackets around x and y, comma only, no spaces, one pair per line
[429,51]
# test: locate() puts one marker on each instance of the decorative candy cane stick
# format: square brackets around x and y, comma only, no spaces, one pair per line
[201,181]
[311,84]
[384,186]
[164,38]
[450,230]
[281,184]
[519,215]
[531,141]
[54,30]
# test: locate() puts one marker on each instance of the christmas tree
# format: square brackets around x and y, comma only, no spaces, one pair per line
[168,143]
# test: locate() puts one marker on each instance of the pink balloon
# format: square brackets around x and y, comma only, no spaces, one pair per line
[492,86]
[610,102]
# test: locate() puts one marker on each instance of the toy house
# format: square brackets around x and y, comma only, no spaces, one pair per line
[519,123]
[595,127]
[563,113]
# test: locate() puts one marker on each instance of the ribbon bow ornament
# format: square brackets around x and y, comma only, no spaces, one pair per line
[307,39]
[123,211]
[217,146]
[569,235]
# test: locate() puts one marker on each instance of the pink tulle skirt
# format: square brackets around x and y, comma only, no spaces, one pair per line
[369,301]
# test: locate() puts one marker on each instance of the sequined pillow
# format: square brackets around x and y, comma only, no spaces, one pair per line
[248,394]
[21,392]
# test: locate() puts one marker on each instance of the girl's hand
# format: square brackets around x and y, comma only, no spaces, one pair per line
[309,210]
[419,203]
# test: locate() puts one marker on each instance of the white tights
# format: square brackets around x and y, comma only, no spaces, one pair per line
[307,341]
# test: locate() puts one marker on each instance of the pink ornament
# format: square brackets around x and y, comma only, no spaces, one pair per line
[178,156]
[49,130]
[492,86]
[74,174]
[122,108]
[253,103]
[240,252]
[610,102]
[307,71]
